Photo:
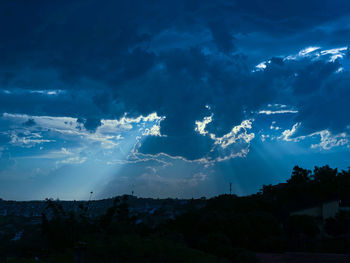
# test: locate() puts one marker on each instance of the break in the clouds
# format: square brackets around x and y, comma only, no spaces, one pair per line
[170,98]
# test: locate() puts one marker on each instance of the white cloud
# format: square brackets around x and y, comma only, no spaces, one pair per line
[274,127]
[334,51]
[287,134]
[231,145]
[307,51]
[270,112]
[264,137]
[200,125]
[241,154]
[108,134]
[27,139]
[261,66]
[237,133]
[52,92]
[328,141]
[317,53]
[113,139]
[154,131]
[73,160]
[45,92]
[278,109]
[276,105]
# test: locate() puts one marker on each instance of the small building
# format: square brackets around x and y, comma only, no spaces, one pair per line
[322,211]
[345,203]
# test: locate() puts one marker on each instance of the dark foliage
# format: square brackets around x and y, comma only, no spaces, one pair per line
[225,228]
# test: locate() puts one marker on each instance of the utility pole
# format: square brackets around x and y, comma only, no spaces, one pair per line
[90,200]
[230,188]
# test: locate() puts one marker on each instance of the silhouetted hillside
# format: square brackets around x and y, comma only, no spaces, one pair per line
[308,213]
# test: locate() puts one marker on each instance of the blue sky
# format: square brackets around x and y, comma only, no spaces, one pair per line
[169,98]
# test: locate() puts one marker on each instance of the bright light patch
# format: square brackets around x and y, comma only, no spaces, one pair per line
[47,92]
[231,145]
[200,125]
[47,129]
[238,132]
[261,66]
[334,51]
[287,134]
[339,70]
[270,112]
[315,53]
[308,50]
[329,141]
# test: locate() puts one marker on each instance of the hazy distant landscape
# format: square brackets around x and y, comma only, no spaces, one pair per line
[306,218]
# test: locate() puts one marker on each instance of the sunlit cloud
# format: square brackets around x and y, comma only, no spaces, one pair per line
[161,96]
[231,145]
[269,112]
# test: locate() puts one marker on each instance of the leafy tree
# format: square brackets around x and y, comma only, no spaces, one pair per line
[325,174]
[299,176]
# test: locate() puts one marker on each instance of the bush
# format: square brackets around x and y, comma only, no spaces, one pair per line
[302,224]
[132,248]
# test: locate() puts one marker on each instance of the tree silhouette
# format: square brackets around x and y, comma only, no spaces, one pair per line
[299,176]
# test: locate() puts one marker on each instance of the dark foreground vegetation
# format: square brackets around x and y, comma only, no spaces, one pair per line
[227,228]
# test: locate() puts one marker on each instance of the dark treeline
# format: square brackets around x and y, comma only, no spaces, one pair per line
[264,222]
[227,229]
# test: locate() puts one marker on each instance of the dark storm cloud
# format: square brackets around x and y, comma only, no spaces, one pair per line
[73,104]
[102,54]
[222,37]
[327,107]
[97,40]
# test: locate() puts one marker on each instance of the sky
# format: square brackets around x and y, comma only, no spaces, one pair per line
[169,98]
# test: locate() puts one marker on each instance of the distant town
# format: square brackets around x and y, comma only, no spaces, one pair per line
[162,209]
[310,213]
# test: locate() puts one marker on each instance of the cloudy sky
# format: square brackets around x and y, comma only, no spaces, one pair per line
[170,98]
